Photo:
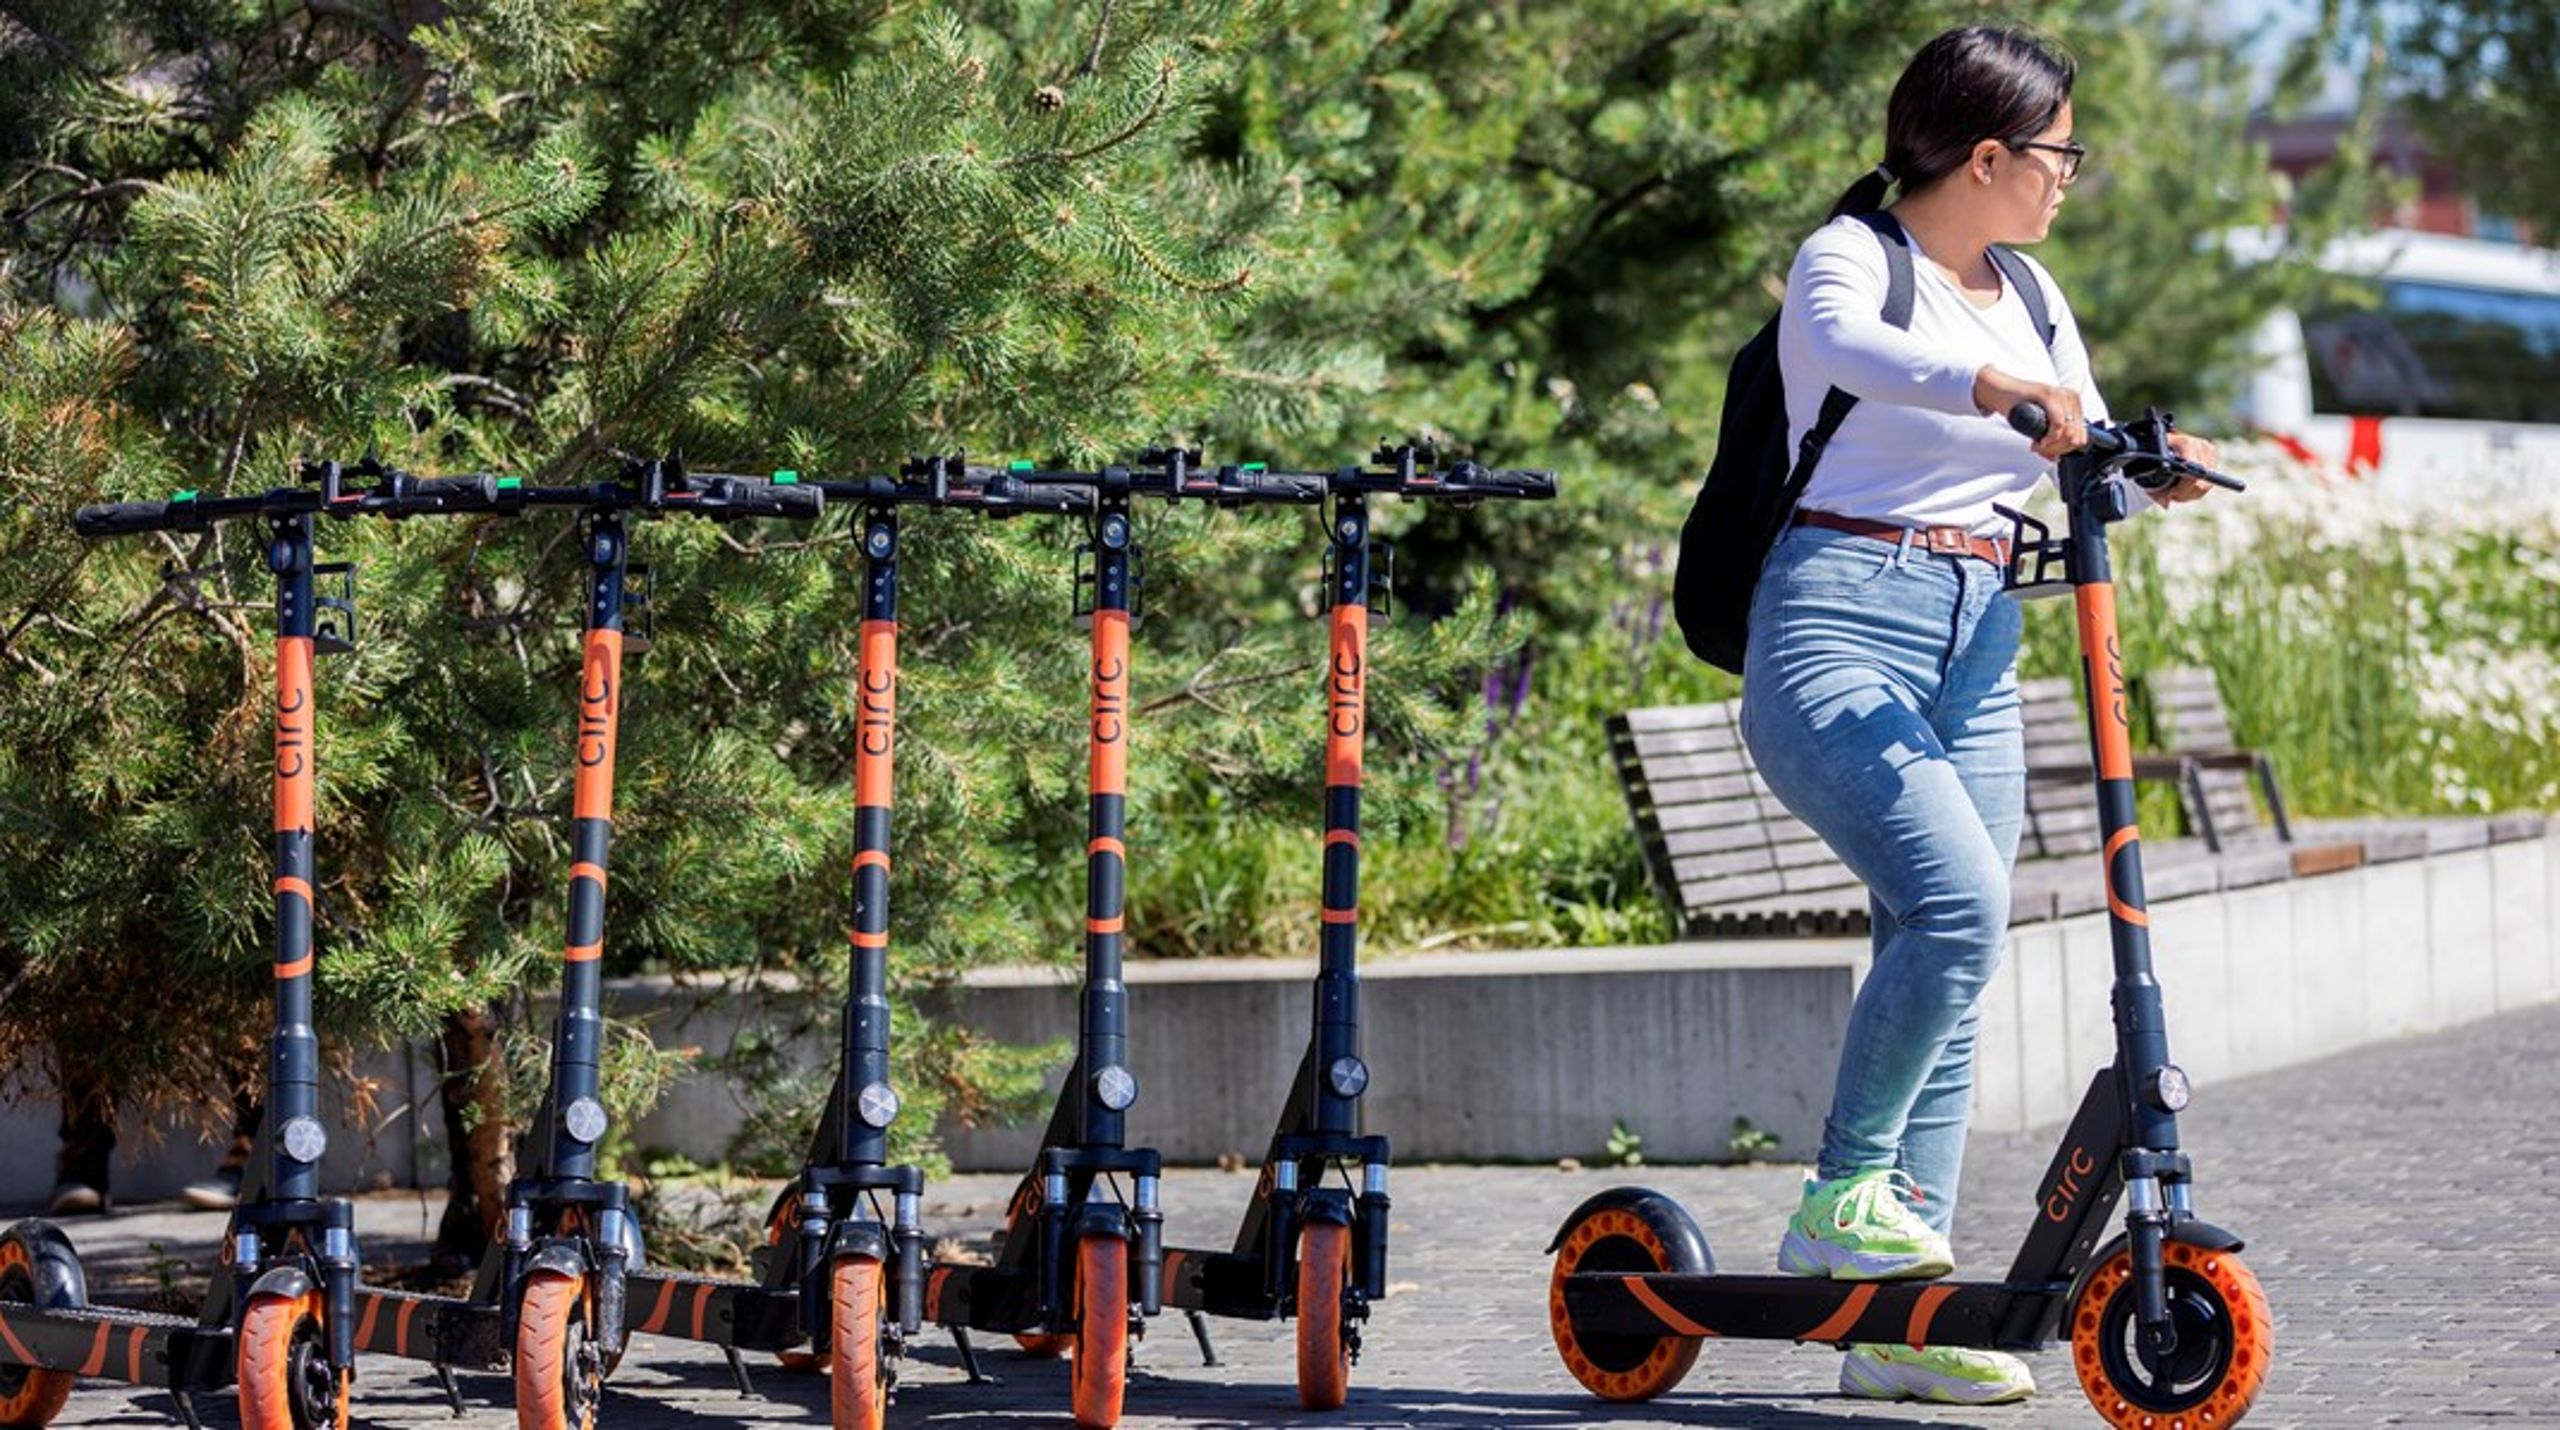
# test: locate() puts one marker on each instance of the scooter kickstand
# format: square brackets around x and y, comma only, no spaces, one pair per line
[187,1408]
[738,1370]
[969,1358]
[452,1388]
[1200,1333]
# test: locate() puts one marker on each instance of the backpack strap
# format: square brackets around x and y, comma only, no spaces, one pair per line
[1898,300]
[2013,268]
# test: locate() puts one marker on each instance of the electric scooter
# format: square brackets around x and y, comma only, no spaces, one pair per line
[836,1259]
[2169,1329]
[549,1300]
[1065,1269]
[277,1323]
[1306,1249]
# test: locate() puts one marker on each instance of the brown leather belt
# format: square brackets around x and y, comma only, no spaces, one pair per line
[1944,540]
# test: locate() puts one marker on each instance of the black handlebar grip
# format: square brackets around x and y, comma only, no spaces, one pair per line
[1284,486]
[2030,420]
[481,488]
[1503,481]
[121,518]
[783,499]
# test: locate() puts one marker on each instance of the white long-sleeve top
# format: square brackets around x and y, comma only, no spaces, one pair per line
[1915,451]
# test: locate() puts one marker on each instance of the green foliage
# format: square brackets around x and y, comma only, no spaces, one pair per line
[537,237]
[2484,79]
[1625,1147]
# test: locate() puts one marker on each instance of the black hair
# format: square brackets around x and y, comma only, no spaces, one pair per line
[1967,85]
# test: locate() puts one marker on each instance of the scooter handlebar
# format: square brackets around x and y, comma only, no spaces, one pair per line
[2149,463]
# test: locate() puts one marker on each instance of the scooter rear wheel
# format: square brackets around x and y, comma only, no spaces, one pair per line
[29,1398]
[1324,1279]
[1099,1371]
[283,1368]
[1634,1232]
[559,1378]
[859,1400]
[2226,1341]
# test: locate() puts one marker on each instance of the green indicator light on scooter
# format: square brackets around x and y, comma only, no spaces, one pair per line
[1018,466]
[508,484]
[188,495]
[1257,466]
[785,479]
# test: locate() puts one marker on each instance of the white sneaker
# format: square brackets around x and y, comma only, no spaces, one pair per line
[1862,1228]
[1948,1375]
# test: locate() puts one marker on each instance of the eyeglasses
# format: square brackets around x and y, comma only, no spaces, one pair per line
[2068,166]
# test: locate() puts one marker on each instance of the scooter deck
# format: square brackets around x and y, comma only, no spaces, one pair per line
[442,1330]
[1794,1308]
[118,1343]
[1220,1283]
[716,1311]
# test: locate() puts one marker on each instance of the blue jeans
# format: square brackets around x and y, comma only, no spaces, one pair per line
[1880,701]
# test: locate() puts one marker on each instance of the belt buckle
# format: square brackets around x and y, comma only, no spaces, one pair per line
[1948,540]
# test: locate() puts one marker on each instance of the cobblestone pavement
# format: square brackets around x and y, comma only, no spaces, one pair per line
[2395,1201]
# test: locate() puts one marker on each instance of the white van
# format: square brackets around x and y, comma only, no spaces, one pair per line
[2452,381]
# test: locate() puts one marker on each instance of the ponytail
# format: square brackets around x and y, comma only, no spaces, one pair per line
[1867,195]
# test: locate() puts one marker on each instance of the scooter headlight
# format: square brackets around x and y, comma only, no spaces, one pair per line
[1116,1087]
[876,1105]
[2170,1090]
[585,1119]
[304,1140]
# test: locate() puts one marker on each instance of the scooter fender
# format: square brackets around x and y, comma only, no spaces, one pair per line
[292,1283]
[2193,1232]
[857,1238]
[1100,1219]
[60,1282]
[1668,1220]
[1331,1204]
[563,1255]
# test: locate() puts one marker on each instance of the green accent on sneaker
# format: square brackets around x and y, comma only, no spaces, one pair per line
[1946,1375]
[1862,1228]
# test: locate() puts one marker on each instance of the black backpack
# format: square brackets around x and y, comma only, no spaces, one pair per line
[1753,483]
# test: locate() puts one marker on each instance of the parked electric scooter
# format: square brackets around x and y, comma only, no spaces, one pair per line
[841,1272]
[277,1321]
[2168,1327]
[1077,1252]
[1305,1248]
[549,1300]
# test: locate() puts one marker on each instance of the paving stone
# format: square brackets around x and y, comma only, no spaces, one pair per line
[2380,1192]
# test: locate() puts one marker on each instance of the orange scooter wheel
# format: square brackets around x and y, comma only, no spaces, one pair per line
[1099,1371]
[558,1381]
[2226,1341]
[860,1401]
[283,1370]
[1324,1281]
[29,1398]
[1634,1236]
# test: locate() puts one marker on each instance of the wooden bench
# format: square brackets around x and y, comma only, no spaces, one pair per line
[1722,851]
[2217,792]
[1729,860]
[2059,844]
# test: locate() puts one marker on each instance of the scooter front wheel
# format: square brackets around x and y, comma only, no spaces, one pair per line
[2226,1341]
[1099,1371]
[559,1376]
[29,1398]
[859,1400]
[1324,1279]
[285,1382]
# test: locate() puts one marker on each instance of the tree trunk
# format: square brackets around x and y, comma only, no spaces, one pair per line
[474,1092]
